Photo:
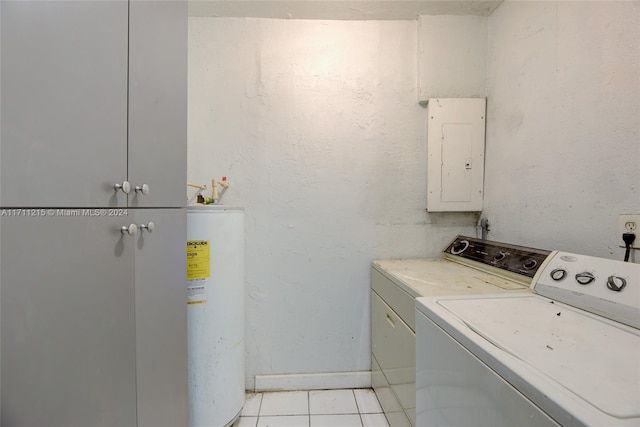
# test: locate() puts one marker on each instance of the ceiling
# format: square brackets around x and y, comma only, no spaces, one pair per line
[340,10]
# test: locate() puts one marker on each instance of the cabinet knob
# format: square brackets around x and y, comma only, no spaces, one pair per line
[144,189]
[149,227]
[131,230]
[125,187]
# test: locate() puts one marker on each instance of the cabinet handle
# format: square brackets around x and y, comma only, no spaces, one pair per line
[131,230]
[125,187]
[144,189]
[149,227]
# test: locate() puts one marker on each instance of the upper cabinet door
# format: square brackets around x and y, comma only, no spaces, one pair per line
[158,103]
[64,103]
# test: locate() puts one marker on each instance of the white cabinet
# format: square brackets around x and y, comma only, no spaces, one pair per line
[157,145]
[455,150]
[94,320]
[64,103]
[68,321]
[93,94]
[161,318]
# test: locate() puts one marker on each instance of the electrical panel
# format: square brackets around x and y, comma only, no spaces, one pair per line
[455,150]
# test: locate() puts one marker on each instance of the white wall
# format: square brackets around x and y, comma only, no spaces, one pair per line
[317,127]
[563,130]
[452,56]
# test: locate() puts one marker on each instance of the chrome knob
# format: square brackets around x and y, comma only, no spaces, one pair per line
[459,247]
[144,189]
[125,187]
[585,278]
[149,227]
[499,256]
[131,230]
[558,274]
[615,283]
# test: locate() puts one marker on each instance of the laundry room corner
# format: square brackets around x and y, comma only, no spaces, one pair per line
[317,127]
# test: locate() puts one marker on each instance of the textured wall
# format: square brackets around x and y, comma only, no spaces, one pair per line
[563,129]
[452,56]
[316,125]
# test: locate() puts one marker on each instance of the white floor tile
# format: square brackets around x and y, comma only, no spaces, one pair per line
[352,420]
[251,406]
[332,402]
[285,403]
[246,422]
[367,401]
[374,420]
[284,421]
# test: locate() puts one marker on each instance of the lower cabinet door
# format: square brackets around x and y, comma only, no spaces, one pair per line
[67,319]
[161,317]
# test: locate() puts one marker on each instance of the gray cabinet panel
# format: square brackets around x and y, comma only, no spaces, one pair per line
[64,102]
[161,319]
[158,102]
[67,326]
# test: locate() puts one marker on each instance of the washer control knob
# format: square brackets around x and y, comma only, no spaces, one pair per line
[460,247]
[529,264]
[585,278]
[558,274]
[616,283]
[499,256]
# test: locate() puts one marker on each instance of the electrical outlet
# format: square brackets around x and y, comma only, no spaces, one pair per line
[628,223]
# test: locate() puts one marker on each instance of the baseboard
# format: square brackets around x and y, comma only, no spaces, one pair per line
[323,381]
[249,383]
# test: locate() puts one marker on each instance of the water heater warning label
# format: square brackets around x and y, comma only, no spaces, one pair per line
[196,291]
[198,260]
[198,270]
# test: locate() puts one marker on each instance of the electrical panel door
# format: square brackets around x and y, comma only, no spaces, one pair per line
[455,149]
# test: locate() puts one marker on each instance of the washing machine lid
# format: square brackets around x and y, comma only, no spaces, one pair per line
[591,357]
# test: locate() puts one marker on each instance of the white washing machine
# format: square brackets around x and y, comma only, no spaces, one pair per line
[469,266]
[567,354]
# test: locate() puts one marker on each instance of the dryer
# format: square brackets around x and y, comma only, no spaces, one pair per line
[468,266]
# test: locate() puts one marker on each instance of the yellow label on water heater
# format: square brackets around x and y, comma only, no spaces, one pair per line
[198,259]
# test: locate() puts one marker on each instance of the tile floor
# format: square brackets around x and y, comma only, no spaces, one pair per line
[316,408]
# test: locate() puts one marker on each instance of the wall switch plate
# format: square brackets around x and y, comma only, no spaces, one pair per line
[629,223]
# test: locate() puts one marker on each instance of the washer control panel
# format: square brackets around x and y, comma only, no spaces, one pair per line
[602,286]
[516,259]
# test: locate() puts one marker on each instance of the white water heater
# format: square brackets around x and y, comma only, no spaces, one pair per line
[215,298]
